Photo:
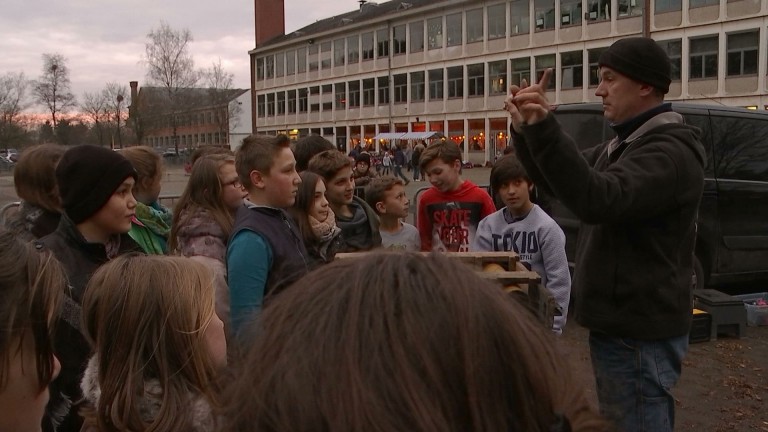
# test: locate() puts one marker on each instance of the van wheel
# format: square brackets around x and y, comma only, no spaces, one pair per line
[697,280]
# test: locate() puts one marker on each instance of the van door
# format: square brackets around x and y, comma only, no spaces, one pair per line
[740,146]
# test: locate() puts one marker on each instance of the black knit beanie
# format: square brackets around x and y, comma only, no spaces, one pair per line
[87,177]
[641,59]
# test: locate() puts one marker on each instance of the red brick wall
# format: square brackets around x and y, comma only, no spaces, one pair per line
[269,19]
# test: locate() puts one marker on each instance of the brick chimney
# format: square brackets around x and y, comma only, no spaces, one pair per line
[270,19]
[134,98]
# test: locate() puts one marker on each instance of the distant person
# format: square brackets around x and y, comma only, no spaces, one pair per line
[386,163]
[449,212]
[315,220]
[362,172]
[357,220]
[308,146]
[415,158]
[158,346]
[637,196]
[34,179]
[32,286]
[403,342]
[204,217]
[387,197]
[400,160]
[265,252]
[96,188]
[152,222]
[523,227]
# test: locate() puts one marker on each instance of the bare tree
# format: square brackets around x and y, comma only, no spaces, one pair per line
[13,101]
[170,66]
[220,96]
[96,109]
[52,89]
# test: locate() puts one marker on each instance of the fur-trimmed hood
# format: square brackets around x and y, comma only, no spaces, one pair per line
[202,419]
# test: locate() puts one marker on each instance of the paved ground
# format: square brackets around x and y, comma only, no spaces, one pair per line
[724,386]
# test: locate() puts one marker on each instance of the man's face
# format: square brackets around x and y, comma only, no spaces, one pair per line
[282,183]
[621,95]
[443,176]
[340,189]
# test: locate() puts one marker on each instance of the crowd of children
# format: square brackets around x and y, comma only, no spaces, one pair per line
[143,306]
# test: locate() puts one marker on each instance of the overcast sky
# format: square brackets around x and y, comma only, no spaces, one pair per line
[103,40]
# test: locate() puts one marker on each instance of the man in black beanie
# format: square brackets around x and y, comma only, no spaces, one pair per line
[638,196]
[96,189]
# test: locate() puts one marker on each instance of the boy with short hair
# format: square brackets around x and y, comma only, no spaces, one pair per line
[523,227]
[357,220]
[449,212]
[265,252]
[388,199]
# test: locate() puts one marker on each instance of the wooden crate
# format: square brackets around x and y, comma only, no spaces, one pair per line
[504,268]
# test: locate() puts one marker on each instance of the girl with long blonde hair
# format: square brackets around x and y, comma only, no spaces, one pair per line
[158,346]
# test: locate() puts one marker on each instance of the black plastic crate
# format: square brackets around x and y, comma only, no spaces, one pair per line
[701,327]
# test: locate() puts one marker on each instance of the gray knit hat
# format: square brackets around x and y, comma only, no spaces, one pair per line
[87,176]
[641,59]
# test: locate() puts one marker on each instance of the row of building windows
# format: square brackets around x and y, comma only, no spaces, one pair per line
[474,25]
[188,140]
[191,119]
[494,78]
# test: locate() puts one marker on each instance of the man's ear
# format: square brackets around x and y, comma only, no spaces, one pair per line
[381,208]
[457,164]
[257,179]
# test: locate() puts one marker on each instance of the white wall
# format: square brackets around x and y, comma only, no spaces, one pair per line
[243,122]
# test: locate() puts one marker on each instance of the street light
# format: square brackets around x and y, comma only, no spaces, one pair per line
[53,90]
[119,137]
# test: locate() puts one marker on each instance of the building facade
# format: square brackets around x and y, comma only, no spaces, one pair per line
[445,65]
[205,117]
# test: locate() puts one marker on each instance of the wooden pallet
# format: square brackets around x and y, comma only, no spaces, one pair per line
[504,268]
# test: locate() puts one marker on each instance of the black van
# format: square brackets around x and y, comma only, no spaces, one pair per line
[732,241]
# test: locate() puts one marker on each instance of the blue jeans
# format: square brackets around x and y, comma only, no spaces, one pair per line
[634,378]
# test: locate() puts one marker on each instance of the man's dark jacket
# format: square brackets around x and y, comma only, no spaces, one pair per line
[638,209]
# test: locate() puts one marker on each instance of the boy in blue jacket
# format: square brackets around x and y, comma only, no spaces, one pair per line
[265,252]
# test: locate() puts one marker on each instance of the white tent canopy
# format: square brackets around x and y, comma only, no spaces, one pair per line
[406,135]
[388,135]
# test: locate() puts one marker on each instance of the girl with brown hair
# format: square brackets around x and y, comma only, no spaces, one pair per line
[315,220]
[152,222]
[203,218]
[32,284]
[34,178]
[158,346]
[402,342]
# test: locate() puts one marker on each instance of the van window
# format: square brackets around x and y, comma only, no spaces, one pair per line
[702,122]
[587,129]
[740,146]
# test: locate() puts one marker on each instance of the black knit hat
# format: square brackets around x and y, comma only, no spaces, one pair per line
[87,177]
[641,59]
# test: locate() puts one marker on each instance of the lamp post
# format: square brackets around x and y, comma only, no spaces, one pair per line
[119,137]
[53,90]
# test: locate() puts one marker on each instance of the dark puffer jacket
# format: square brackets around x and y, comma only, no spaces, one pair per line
[80,260]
